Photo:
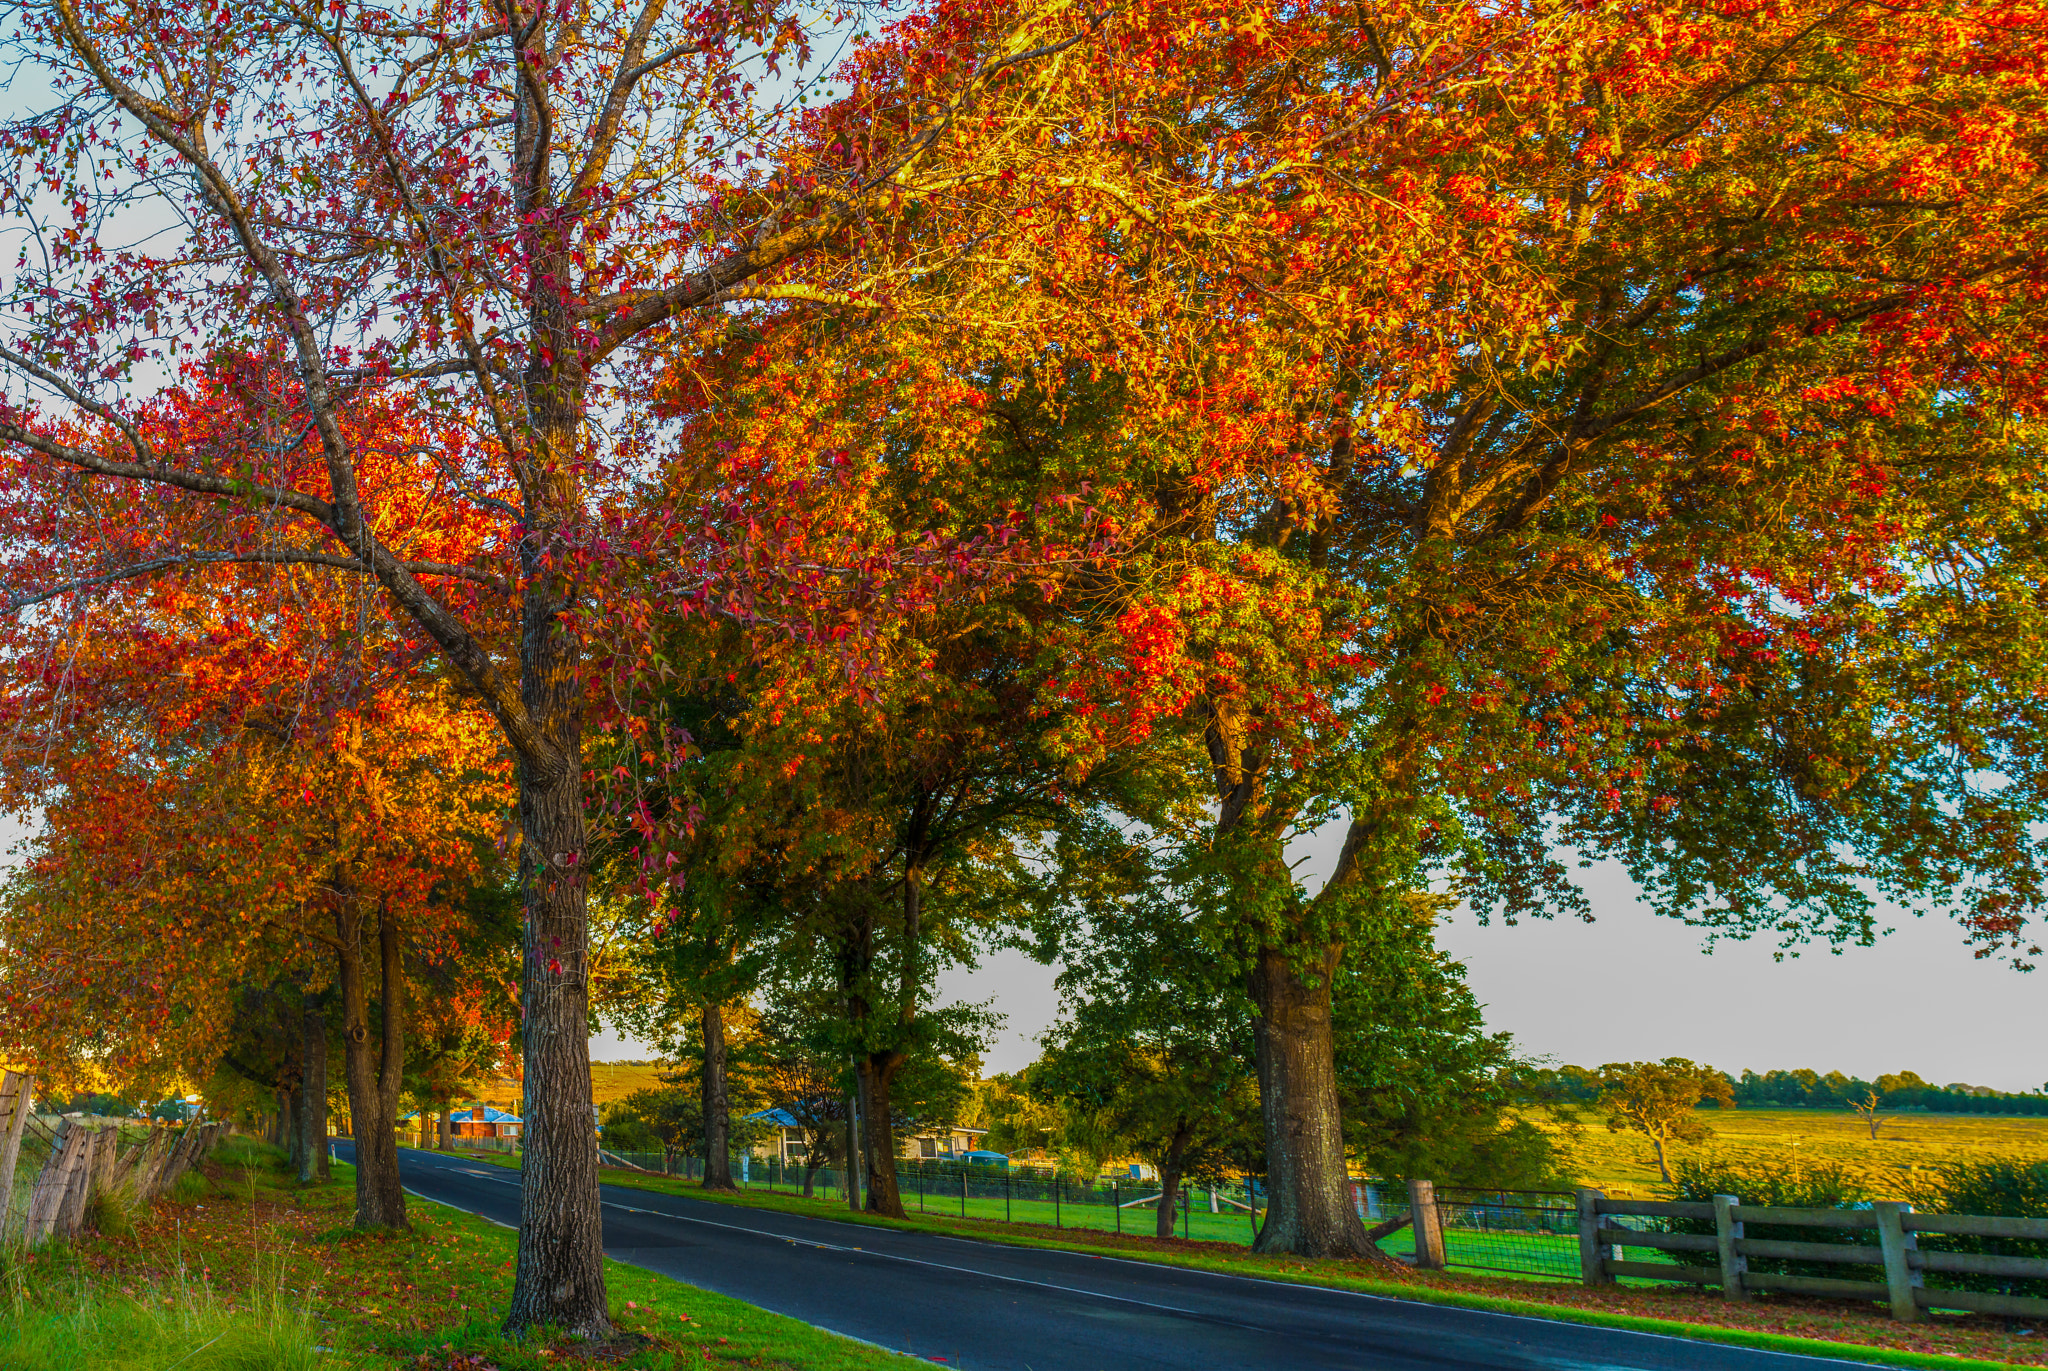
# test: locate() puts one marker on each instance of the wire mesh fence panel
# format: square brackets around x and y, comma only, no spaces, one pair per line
[1533,1233]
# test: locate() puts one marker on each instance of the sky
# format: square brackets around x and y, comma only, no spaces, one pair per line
[1631,986]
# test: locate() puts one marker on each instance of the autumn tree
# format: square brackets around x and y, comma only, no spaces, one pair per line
[860,826]
[249,801]
[1661,1101]
[1617,449]
[497,208]
[162,918]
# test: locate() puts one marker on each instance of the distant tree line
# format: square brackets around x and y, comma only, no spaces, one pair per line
[1808,1089]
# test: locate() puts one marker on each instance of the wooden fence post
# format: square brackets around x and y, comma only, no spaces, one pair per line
[1900,1276]
[77,1185]
[1592,1256]
[47,1205]
[1728,1232]
[105,1157]
[1428,1224]
[15,1092]
[148,1165]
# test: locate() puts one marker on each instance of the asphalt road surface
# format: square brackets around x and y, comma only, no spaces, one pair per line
[985,1307]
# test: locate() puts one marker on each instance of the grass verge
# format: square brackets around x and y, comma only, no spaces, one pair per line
[254,1273]
[1809,1327]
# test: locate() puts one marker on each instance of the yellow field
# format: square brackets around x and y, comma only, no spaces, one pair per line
[615,1080]
[1623,1164]
[608,1081]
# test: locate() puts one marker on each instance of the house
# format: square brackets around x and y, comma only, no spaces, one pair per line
[787,1139]
[935,1144]
[482,1121]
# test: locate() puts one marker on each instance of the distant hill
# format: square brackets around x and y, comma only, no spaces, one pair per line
[608,1081]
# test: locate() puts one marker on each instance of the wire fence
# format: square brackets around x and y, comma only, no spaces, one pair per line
[1526,1233]
[1509,1232]
[1224,1213]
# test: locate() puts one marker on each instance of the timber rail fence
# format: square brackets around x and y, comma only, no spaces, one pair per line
[1709,1243]
[82,1164]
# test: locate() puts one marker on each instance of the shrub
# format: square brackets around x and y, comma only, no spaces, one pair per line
[2010,1186]
[249,1154]
[1794,1186]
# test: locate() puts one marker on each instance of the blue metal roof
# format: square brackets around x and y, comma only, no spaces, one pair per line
[776,1116]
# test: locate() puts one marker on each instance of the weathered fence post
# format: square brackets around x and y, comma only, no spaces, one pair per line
[1428,1225]
[1728,1232]
[47,1205]
[16,1089]
[78,1184]
[1900,1276]
[106,1151]
[1592,1257]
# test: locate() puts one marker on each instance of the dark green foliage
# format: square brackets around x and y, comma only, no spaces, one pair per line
[667,1119]
[1793,1187]
[1556,1084]
[1898,1090]
[1425,1087]
[1152,1055]
[2009,1186]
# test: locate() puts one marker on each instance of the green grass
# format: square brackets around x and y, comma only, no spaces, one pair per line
[61,1316]
[252,1272]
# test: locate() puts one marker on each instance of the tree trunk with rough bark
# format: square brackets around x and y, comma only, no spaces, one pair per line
[1171,1167]
[1310,1212]
[560,1279]
[373,1084]
[313,1164]
[717,1115]
[853,1177]
[876,1074]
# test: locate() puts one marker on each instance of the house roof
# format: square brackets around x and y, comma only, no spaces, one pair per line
[774,1116]
[467,1114]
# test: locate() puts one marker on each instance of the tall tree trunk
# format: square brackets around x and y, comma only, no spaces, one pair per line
[1310,1212]
[876,1073]
[853,1177]
[717,1114]
[560,1279]
[1663,1169]
[277,1126]
[444,1130]
[373,1086]
[312,1120]
[1171,1167]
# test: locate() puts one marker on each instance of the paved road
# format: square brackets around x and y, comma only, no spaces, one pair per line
[985,1307]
